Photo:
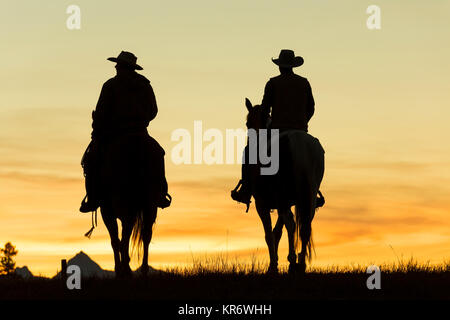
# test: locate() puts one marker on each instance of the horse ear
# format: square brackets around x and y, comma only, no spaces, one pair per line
[248,104]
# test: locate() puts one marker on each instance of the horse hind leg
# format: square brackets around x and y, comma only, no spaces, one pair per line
[147,232]
[127,228]
[305,235]
[277,233]
[111,224]
[289,222]
[264,215]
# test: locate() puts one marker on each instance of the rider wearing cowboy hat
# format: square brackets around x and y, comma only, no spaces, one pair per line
[126,106]
[289,98]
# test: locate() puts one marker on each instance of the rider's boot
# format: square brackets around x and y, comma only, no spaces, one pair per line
[91,201]
[320,201]
[165,199]
[242,194]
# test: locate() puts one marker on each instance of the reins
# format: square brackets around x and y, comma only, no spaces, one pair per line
[94,224]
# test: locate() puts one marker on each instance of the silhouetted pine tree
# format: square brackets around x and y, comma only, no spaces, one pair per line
[7,263]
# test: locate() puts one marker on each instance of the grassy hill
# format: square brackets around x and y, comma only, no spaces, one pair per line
[227,282]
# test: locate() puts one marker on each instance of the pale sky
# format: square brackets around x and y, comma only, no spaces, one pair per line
[382,99]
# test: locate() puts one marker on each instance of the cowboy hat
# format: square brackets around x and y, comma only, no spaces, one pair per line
[287,59]
[126,58]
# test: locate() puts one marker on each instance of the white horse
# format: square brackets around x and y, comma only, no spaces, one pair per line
[300,174]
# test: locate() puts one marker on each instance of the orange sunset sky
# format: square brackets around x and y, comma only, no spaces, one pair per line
[382,115]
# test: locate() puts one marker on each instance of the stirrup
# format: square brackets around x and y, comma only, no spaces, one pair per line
[238,196]
[237,186]
[165,202]
[86,206]
[320,201]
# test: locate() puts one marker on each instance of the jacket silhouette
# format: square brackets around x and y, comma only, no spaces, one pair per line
[291,100]
[127,103]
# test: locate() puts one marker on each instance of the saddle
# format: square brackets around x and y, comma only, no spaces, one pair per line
[106,161]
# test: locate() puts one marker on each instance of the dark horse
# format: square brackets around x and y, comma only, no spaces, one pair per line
[301,169]
[130,187]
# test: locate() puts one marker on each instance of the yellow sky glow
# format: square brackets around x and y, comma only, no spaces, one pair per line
[382,113]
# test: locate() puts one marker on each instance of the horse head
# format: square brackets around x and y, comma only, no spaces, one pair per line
[257,116]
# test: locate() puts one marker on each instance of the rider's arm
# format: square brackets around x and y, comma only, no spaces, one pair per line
[310,107]
[152,106]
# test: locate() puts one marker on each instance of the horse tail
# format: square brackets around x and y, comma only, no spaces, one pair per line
[137,236]
[308,159]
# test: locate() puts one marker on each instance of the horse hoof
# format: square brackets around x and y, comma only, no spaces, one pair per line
[297,269]
[117,271]
[292,268]
[302,268]
[144,270]
[273,270]
[123,272]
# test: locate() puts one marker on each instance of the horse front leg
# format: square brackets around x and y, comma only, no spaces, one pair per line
[264,215]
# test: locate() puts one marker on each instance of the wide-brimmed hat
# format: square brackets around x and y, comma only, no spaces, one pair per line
[126,58]
[287,59]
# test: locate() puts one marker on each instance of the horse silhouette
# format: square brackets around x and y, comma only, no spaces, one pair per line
[129,193]
[301,169]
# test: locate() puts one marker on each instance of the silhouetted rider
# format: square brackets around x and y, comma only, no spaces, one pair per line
[127,101]
[289,100]
[126,105]
[289,95]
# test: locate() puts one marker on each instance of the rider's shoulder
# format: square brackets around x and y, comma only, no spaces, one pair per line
[142,78]
[274,78]
[292,75]
[303,80]
[110,82]
[118,80]
[301,77]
